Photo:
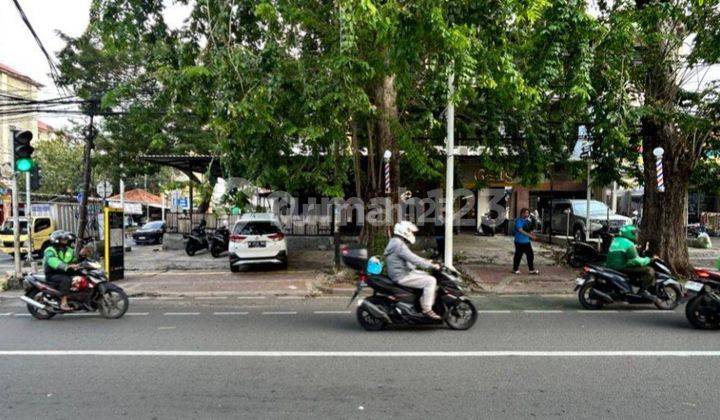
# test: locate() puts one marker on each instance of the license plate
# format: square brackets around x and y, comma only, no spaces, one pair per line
[256,244]
[579,281]
[694,286]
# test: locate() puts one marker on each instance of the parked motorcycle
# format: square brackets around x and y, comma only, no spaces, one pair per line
[91,291]
[197,240]
[579,253]
[600,286]
[391,303]
[219,241]
[703,308]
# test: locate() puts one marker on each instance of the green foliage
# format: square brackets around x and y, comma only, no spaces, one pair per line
[59,160]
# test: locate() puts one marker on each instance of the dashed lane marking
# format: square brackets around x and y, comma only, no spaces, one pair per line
[211,297]
[280,313]
[291,297]
[494,311]
[251,297]
[6,314]
[230,313]
[180,313]
[542,311]
[331,312]
[137,313]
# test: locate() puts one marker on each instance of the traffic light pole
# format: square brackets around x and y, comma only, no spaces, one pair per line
[16,219]
[30,222]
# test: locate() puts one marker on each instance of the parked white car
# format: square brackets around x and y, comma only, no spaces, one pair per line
[257,238]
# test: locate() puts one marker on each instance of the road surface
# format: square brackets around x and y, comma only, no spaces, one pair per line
[255,357]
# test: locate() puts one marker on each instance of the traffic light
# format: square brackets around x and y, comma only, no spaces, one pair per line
[23,151]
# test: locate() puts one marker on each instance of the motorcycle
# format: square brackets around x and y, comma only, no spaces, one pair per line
[218,241]
[600,286]
[91,291]
[197,240]
[579,253]
[391,303]
[703,308]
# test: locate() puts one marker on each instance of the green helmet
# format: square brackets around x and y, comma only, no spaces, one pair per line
[629,232]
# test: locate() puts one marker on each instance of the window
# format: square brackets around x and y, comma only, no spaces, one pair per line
[257,228]
[42,224]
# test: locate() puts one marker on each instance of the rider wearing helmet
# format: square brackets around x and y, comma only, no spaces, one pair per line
[402,266]
[623,257]
[59,263]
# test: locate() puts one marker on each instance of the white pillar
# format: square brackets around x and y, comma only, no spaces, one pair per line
[587,209]
[613,197]
[449,172]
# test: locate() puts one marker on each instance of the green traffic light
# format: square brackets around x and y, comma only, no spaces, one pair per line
[24,164]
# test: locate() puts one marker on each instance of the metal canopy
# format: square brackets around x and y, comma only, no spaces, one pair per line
[188,163]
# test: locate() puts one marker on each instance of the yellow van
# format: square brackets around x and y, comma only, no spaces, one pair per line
[43,226]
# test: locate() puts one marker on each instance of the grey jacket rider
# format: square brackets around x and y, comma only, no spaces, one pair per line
[400,260]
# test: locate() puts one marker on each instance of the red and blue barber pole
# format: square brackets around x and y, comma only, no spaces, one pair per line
[658,152]
[387,156]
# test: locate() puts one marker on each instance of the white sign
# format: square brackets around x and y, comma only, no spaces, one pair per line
[104,189]
[130,208]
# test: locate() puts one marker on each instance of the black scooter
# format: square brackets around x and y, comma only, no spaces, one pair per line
[197,240]
[391,303]
[218,241]
[703,309]
[579,254]
[599,286]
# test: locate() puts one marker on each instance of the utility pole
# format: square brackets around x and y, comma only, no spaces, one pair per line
[90,134]
[449,172]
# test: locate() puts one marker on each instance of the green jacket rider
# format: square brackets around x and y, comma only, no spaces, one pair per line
[623,256]
[59,264]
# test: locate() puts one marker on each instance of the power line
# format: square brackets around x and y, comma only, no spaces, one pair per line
[53,69]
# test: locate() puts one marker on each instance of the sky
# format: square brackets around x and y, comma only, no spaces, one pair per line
[19,50]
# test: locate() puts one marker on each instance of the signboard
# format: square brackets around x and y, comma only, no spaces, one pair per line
[129,208]
[181,203]
[104,189]
[113,233]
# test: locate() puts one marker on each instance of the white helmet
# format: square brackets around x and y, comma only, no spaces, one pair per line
[405,230]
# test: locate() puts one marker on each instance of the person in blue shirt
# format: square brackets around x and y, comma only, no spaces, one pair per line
[523,242]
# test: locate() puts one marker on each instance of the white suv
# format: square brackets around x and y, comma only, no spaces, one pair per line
[257,238]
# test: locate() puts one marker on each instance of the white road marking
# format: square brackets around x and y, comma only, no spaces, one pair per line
[252,297]
[291,297]
[139,298]
[589,311]
[542,311]
[280,313]
[331,312]
[180,313]
[169,298]
[6,314]
[210,297]
[22,315]
[494,311]
[230,313]
[651,311]
[79,314]
[473,354]
[137,313]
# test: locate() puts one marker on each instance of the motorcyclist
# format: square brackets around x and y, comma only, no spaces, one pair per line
[59,264]
[623,257]
[402,266]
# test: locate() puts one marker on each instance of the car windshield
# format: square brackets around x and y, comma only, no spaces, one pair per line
[256,228]
[596,208]
[7,227]
[152,226]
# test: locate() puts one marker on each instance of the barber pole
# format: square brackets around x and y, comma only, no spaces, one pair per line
[387,156]
[658,152]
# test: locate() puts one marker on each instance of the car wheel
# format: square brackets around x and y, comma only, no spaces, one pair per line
[234,268]
[579,235]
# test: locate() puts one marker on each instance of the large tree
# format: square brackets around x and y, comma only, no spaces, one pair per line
[653,90]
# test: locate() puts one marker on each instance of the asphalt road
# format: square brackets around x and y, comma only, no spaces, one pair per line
[252,357]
